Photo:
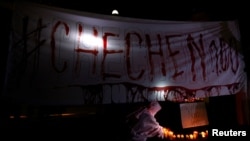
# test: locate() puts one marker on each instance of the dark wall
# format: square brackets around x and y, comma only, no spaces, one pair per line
[5,14]
[5,25]
[222,111]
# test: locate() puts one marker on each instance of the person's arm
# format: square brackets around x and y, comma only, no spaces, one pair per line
[152,127]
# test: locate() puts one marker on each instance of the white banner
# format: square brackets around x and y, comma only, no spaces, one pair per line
[60,56]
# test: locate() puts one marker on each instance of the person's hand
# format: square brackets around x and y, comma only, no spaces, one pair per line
[161,133]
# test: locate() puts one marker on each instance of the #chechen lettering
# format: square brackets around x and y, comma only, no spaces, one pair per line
[217,132]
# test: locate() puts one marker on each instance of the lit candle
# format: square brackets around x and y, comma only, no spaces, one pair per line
[191,136]
[171,134]
[174,136]
[203,134]
[166,132]
[182,136]
[195,134]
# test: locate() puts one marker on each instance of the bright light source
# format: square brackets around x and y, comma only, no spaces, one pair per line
[161,84]
[91,41]
[115,12]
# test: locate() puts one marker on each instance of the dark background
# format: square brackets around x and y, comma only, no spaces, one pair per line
[107,121]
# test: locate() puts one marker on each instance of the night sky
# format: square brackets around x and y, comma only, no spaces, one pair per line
[159,10]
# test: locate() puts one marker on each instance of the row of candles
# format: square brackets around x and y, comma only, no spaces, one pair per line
[196,135]
[192,99]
